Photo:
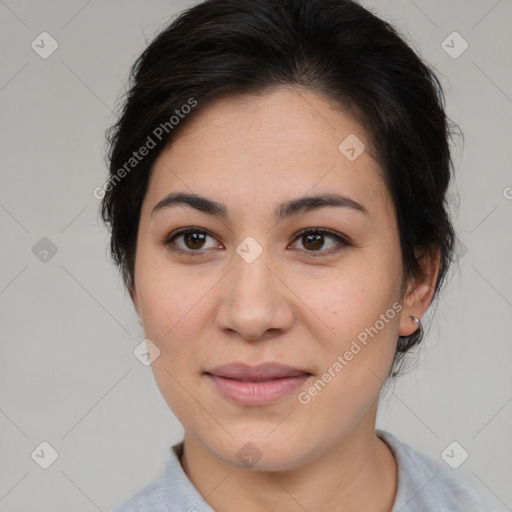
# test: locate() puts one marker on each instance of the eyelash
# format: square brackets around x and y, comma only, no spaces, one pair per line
[342,241]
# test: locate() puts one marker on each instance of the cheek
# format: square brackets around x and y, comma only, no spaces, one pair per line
[178,387]
[171,299]
[362,312]
[351,300]
[358,351]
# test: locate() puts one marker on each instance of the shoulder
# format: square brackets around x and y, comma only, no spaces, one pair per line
[171,492]
[150,499]
[427,485]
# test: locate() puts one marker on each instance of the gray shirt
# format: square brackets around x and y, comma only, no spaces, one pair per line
[423,486]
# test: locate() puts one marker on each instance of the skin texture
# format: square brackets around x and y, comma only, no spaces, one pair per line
[252,153]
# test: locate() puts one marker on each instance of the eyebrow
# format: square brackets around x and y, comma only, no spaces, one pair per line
[287,209]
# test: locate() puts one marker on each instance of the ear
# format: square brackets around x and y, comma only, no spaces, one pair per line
[420,291]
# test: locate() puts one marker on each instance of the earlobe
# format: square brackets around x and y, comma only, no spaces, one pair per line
[416,302]
[419,295]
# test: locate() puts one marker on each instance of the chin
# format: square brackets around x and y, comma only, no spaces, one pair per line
[258,450]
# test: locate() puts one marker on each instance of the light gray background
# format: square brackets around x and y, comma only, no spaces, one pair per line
[67,372]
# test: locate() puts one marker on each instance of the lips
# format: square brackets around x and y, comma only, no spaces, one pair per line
[262,372]
[256,385]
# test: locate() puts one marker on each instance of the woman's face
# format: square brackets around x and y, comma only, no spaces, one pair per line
[246,288]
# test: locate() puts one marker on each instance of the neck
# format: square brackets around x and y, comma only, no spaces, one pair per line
[359,473]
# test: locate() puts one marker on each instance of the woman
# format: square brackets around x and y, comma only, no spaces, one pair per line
[277,206]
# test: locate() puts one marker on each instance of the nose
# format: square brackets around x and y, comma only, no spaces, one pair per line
[256,303]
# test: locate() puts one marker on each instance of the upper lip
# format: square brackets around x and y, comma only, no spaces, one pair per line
[266,371]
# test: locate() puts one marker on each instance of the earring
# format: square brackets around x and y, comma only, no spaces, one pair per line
[417,320]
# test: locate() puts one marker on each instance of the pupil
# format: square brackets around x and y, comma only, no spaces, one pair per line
[316,238]
[195,237]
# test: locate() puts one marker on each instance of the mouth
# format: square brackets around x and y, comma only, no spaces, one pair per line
[256,385]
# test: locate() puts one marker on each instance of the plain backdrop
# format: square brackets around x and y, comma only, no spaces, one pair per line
[68,375]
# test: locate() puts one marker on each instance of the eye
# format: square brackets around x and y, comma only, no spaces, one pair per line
[193,241]
[314,241]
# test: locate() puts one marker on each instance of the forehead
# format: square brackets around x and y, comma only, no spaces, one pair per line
[283,143]
[282,115]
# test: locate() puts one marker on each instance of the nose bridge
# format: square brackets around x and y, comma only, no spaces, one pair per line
[253,302]
[251,276]
[251,273]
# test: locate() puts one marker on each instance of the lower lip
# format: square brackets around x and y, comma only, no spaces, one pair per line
[257,393]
